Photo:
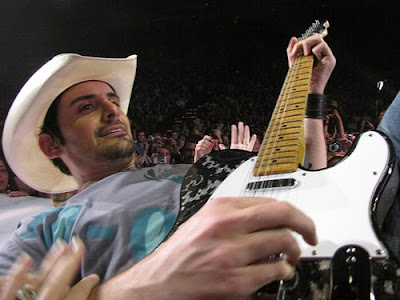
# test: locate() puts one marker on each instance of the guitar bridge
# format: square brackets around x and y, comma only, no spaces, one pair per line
[271,184]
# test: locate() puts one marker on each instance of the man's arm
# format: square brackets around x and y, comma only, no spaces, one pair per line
[223,251]
[323,68]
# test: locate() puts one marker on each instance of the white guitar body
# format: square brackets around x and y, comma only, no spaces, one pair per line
[338,199]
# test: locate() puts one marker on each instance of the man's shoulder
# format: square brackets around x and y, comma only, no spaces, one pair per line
[133,178]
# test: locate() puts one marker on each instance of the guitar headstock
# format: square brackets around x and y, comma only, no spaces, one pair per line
[316,27]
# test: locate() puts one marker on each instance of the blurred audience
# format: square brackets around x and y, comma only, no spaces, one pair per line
[200,102]
[7,184]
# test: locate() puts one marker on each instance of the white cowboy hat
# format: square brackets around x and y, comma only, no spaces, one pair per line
[27,113]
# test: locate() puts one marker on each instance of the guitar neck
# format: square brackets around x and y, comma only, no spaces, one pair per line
[283,149]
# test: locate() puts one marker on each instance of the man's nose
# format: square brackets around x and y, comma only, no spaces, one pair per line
[110,110]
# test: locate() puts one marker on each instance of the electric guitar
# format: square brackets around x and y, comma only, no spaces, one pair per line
[347,202]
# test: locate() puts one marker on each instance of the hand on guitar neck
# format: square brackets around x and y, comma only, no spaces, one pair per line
[325,64]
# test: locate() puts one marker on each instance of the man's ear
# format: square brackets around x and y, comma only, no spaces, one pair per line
[49,145]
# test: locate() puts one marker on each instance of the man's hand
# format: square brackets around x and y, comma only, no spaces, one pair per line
[17,194]
[240,137]
[203,147]
[53,279]
[222,252]
[326,60]
[217,134]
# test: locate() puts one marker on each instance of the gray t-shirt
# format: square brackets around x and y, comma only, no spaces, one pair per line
[121,219]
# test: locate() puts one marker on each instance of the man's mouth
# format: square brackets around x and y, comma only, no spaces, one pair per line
[113,130]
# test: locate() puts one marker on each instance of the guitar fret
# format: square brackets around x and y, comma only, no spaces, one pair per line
[291,113]
[303,67]
[271,160]
[298,82]
[297,76]
[283,110]
[297,99]
[285,102]
[296,91]
[274,138]
[280,138]
[283,115]
[277,148]
[289,121]
[277,160]
[285,127]
[292,106]
[292,101]
[283,157]
[293,89]
[291,148]
[286,120]
[301,63]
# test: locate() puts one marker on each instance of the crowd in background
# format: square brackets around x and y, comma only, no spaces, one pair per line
[169,108]
[172,110]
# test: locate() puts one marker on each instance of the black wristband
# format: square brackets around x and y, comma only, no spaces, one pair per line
[316,106]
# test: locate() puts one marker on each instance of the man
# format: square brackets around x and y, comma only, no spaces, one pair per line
[122,214]
[141,145]
[188,150]
[390,126]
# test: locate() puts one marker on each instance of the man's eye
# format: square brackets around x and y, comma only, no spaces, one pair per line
[85,107]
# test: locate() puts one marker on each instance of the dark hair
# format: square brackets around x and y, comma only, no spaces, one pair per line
[193,138]
[52,128]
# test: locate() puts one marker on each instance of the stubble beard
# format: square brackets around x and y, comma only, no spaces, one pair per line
[121,149]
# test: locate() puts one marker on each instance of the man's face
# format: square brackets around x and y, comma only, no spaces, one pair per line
[174,135]
[189,152]
[92,124]
[164,152]
[142,137]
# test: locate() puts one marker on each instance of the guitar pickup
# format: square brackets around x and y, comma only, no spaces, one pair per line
[271,184]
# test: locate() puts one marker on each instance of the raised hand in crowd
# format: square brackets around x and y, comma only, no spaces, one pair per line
[53,279]
[240,139]
[217,133]
[203,147]
[144,159]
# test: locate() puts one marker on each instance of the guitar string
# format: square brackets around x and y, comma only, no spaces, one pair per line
[271,140]
[269,189]
[285,98]
[266,144]
[274,139]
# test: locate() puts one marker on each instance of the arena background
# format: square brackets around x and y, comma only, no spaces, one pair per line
[233,35]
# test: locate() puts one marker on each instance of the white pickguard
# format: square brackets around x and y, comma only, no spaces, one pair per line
[338,199]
